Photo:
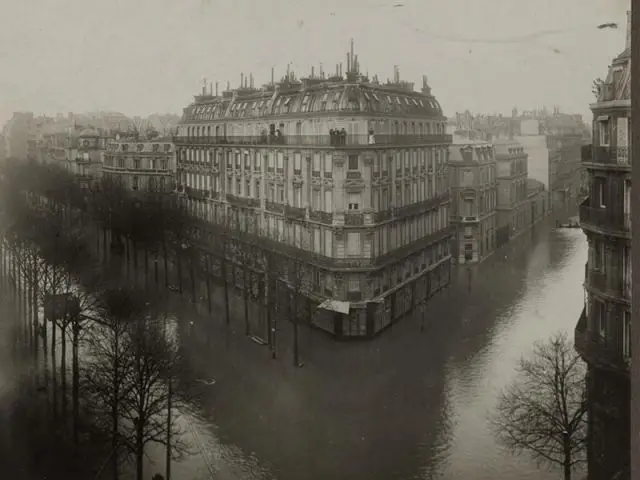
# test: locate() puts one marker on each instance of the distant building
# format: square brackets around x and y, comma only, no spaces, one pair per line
[552,142]
[511,162]
[16,135]
[473,183]
[537,206]
[141,164]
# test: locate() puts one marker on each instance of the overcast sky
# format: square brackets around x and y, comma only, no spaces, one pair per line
[144,56]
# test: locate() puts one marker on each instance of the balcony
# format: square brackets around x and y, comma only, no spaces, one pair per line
[614,156]
[321,217]
[382,216]
[315,140]
[353,219]
[423,206]
[242,201]
[274,207]
[406,250]
[608,220]
[608,283]
[295,213]
[595,351]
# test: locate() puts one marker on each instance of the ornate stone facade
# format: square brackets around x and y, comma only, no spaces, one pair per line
[342,171]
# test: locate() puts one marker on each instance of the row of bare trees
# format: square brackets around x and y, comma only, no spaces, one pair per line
[227,256]
[124,358]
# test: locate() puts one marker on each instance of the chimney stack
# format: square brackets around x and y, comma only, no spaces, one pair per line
[340,73]
[241,80]
[210,88]
[628,43]
[348,63]
[216,89]
[272,80]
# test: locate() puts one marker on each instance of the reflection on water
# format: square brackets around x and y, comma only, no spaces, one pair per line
[552,302]
[406,405]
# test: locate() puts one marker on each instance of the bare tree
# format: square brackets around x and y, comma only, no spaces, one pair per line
[154,357]
[109,364]
[543,413]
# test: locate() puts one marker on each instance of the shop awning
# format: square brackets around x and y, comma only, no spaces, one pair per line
[335,306]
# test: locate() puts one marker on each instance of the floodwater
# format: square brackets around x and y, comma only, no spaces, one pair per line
[410,404]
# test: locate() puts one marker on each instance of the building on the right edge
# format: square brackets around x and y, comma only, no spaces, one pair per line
[602,335]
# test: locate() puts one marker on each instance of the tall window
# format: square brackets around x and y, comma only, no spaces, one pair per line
[354,201]
[601,315]
[297,196]
[353,162]
[598,256]
[328,201]
[604,131]
[257,189]
[136,163]
[315,199]
[599,192]
[328,166]
[135,182]
[353,244]
[297,164]
[626,334]
[247,191]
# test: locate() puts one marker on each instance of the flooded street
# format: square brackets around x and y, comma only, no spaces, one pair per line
[409,404]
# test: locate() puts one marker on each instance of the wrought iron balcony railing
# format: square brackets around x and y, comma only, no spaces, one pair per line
[608,219]
[315,140]
[597,350]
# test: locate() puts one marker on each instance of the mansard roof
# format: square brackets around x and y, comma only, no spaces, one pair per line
[329,97]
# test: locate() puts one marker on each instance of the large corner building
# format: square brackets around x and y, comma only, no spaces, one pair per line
[345,172]
[602,336]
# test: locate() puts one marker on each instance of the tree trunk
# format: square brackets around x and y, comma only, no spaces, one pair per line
[293,309]
[155,268]
[208,286]
[36,323]
[105,248]
[115,414]
[179,265]
[76,380]
[226,290]
[193,281]
[245,280]
[169,423]
[567,458]
[166,264]
[54,385]
[134,252]
[146,267]
[127,253]
[63,369]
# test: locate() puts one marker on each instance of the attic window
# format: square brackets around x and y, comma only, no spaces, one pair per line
[366,95]
[376,97]
[389,99]
[337,96]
